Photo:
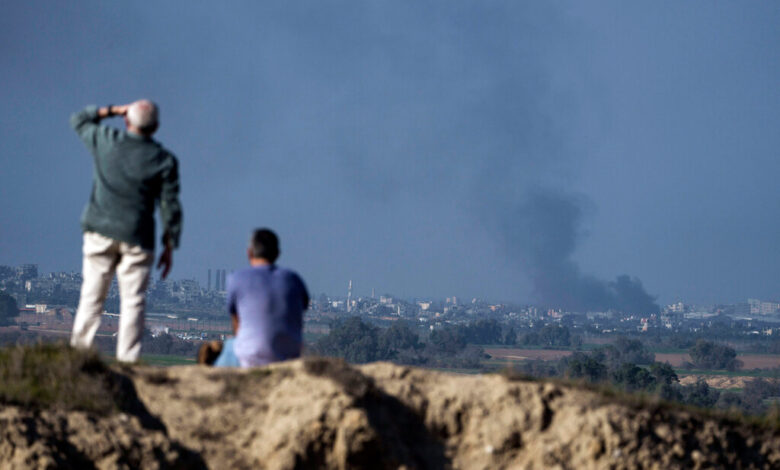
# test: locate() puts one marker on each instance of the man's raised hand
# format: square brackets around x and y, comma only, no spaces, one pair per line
[166,261]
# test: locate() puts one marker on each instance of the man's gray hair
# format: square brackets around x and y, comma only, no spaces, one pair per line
[144,115]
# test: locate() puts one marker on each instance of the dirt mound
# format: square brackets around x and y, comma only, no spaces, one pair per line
[62,408]
[716,381]
[76,439]
[720,381]
[326,414]
[317,413]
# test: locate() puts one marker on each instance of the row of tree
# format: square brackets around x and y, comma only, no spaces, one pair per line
[451,346]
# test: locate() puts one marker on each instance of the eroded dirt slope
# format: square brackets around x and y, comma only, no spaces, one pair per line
[318,413]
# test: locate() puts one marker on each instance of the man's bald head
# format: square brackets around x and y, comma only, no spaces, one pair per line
[143,116]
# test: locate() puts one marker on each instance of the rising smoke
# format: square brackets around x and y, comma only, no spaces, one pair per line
[541,233]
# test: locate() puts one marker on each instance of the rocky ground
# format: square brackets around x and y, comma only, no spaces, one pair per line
[318,413]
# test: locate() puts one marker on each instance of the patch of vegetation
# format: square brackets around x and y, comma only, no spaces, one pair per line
[165,360]
[56,376]
[710,355]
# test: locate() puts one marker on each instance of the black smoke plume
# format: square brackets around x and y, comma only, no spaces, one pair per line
[541,232]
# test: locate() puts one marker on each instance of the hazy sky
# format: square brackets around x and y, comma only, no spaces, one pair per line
[391,142]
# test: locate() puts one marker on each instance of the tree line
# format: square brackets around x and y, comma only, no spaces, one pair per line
[451,346]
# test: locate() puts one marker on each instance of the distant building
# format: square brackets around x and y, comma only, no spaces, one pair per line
[219,279]
[759,307]
[677,307]
[26,272]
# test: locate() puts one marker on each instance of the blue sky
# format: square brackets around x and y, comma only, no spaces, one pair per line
[393,143]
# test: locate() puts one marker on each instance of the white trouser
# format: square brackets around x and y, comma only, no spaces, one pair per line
[103,256]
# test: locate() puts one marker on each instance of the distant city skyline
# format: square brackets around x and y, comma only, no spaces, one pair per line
[749,305]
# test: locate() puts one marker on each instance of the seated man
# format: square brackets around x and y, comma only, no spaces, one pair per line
[266,305]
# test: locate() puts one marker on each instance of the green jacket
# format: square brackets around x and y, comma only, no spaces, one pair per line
[131,174]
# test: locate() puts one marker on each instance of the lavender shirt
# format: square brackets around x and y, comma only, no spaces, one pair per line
[269,302]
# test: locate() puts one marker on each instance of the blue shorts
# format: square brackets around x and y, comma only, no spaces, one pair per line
[227,358]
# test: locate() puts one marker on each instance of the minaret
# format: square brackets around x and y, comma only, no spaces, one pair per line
[349,297]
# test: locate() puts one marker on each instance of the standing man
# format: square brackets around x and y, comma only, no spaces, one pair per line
[132,173]
[266,303]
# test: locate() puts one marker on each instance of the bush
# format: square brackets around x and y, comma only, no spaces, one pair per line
[633,378]
[700,394]
[584,366]
[709,355]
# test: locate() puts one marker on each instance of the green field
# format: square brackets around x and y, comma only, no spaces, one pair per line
[161,360]
[667,350]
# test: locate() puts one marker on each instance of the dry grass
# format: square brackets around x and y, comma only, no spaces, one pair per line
[56,376]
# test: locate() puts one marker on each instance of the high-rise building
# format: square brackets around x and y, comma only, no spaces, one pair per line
[349,297]
[209,281]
